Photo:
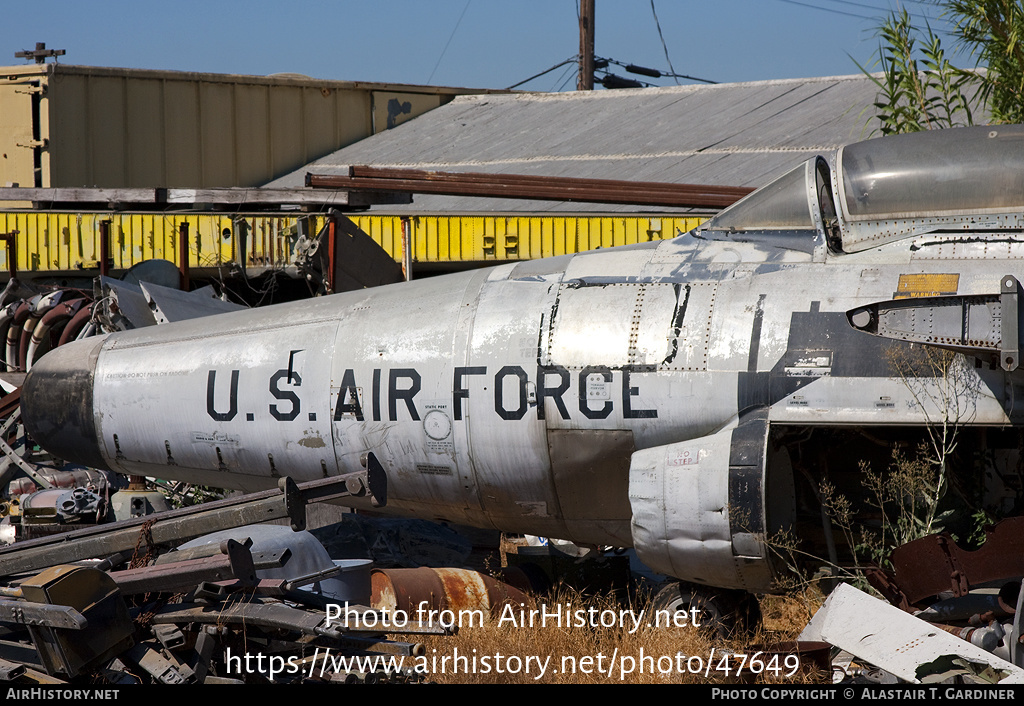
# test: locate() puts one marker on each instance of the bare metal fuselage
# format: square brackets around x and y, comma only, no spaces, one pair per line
[622,397]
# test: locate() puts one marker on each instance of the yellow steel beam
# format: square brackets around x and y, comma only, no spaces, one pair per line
[69,242]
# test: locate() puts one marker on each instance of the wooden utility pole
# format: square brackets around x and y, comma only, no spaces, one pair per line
[586,77]
[40,54]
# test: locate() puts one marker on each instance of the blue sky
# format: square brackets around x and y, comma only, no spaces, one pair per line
[475,43]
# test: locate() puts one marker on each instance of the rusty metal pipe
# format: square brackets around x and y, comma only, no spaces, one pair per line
[441,589]
[53,318]
[537,181]
[6,320]
[91,480]
[77,323]
[38,311]
[14,333]
[532,187]
[697,197]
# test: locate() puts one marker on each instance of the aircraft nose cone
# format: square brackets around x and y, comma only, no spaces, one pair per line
[57,402]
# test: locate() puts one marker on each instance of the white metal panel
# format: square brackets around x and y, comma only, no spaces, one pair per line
[680,499]
[897,641]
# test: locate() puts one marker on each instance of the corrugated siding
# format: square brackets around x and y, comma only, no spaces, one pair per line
[69,242]
[440,239]
[52,242]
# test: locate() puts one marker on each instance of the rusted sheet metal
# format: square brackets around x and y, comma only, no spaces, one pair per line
[426,589]
[930,565]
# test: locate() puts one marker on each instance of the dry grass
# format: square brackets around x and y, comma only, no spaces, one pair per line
[507,653]
[786,616]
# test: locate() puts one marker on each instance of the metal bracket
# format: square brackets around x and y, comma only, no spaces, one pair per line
[294,503]
[51,616]
[377,481]
[1009,294]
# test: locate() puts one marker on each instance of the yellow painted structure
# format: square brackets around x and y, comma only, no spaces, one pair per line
[62,242]
[64,126]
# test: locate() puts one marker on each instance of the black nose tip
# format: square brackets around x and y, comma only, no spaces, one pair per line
[57,403]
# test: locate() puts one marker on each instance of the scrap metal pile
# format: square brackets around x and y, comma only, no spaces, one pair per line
[954,615]
[125,602]
[99,581]
[33,323]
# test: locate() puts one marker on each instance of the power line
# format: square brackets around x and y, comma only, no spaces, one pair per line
[653,73]
[570,60]
[827,9]
[568,75]
[663,45]
[850,3]
[888,10]
[457,23]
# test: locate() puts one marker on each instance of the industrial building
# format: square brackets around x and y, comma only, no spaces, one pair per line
[119,129]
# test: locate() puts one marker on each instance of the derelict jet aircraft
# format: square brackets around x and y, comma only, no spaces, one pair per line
[683,397]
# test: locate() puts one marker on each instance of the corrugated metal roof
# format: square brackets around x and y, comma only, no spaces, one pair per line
[279,79]
[740,134]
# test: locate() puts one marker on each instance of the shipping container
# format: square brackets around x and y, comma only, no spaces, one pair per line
[64,125]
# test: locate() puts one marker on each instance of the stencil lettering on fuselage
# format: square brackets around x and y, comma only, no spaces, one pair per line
[589,392]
